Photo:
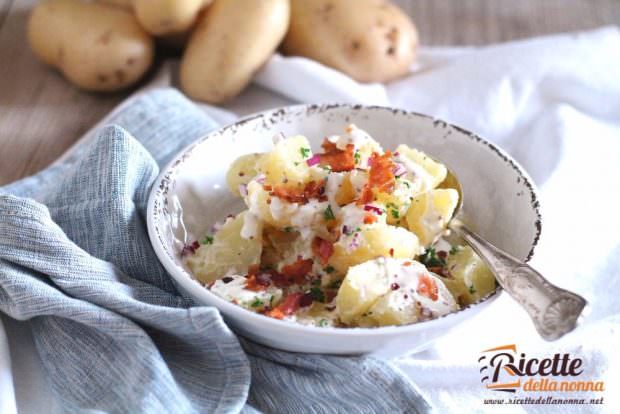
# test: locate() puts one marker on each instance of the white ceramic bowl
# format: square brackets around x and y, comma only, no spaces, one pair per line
[190,195]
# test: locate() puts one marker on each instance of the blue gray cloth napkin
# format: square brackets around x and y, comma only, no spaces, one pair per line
[112,332]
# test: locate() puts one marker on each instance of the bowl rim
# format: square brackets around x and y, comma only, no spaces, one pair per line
[188,283]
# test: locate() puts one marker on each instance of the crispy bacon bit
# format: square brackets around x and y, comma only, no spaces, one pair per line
[267,187]
[322,249]
[298,270]
[380,177]
[339,160]
[392,252]
[407,263]
[427,287]
[369,218]
[394,286]
[306,300]
[289,305]
[442,254]
[256,283]
[313,189]
[330,295]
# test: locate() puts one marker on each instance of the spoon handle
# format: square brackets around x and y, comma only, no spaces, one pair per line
[553,310]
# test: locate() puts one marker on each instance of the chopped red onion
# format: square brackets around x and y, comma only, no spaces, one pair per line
[243,190]
[399,170]
[260,178]
[314,160]
[396,154]
[216,227]
[374,209]
[345,230]
[354,243]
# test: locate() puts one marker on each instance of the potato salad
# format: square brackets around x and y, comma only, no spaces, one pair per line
[352,236]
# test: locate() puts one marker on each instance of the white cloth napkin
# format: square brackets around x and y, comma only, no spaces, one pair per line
[554,104]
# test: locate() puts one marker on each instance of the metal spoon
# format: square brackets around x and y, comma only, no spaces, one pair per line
[554,311]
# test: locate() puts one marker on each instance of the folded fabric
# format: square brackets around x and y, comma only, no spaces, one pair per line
[112,332]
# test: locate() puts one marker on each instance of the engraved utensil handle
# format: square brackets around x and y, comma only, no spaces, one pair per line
[554,311]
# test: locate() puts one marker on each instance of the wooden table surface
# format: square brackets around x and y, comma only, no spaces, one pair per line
[41,114]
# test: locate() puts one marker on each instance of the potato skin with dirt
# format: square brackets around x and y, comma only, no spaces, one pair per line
[370,40]
[96,46]
[162,17]
[231,42]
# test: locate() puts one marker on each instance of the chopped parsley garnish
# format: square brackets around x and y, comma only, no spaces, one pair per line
[454,250]
[329,269]
[316,282]
[395,213]
[317,294]
[472,290]
[326,167]
[257,302]
[358,229]
[305,152]
[335,284]
[296,163]
[207,240]
[288,229]
[407,184]
[271,301]
[328,213]
[430,258]
[357,156]
[323,323]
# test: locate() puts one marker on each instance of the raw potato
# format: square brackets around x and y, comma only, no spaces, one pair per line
[121,3]
[161,17]
[96,46]
[370,40]
[231,42]
[227,251]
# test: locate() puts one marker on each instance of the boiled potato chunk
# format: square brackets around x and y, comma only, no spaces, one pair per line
[397,203]
[388,291]
[282,214]
[421,167]
[228,251]
[430,213]
[286,164]
[361,288]
[379,240]
[241,172]
[471,278]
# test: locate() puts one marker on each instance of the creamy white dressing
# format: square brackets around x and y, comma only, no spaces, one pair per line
[351,216]
[334,183]
[308,216]
[281,209]
[421,179]
[358,180]
[401,287]
[235,290]
[251,226]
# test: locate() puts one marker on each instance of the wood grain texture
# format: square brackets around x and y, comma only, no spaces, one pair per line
[41,114]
